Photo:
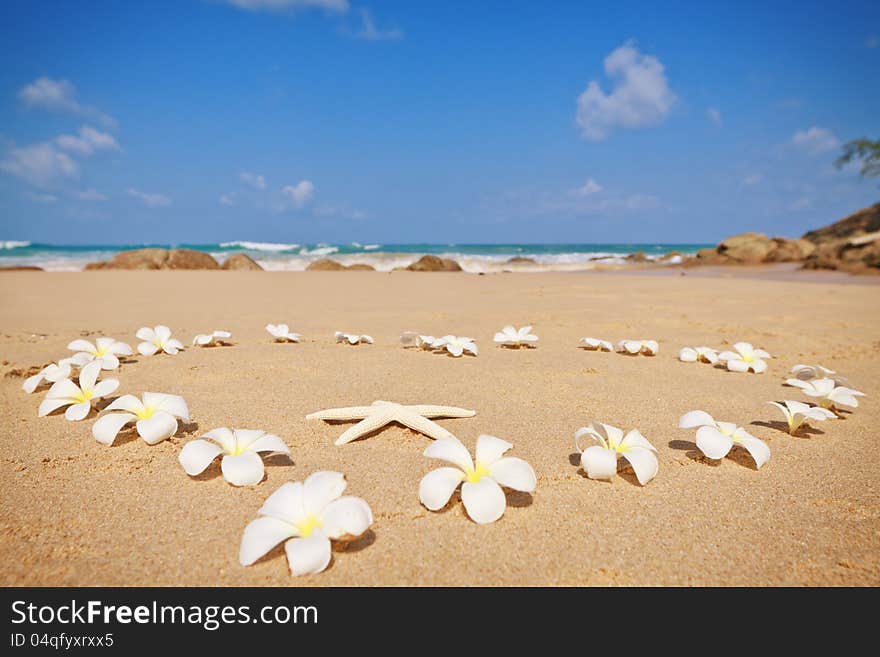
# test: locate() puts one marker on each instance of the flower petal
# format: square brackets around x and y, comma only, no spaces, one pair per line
[308,556]
[687,355]
[693,419]
[737,365]
[78,412]
[224,437]
[48,405]
[162,333]
[269,443]
[755,446]
[514,473]
[484,500]
[713,443]
[451,451]
[644,462]
[88,375]
[64,389]
[108,426]
[490,449]
[173,404]
[437,487]
[599,463]
[128,403]
[82,345]
[759,366]
[158,427]
[242,470]
[108,362]
[197,455]
[244,438]
[104,388]
[260,536]
[147,348]
[285,503]
[30,384]
[348,517]
[321,488]
[145,333]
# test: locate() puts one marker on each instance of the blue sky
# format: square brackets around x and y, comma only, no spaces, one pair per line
[333,120]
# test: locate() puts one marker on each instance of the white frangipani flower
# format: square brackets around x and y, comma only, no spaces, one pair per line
[698,354]
[352,338]
[797,414]
[510,336]
[595,344]
[716,439]
[105,350]
[282,333]
[745,358]
[157,339]
[809,372]
[78,398]
[456,345]
[307,516]
[600,461]
[827,394]
[481,483]
[211,339]
[155,415]
[52,372]
[241,463]
[633,347]
[413,339]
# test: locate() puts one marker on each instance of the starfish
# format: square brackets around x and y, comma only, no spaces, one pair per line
[380,413]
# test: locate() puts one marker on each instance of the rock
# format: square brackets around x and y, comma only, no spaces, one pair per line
[22,268]
[157,259]
[638,256]
[326,264]
[360,266]
[711,257]
[747,248]
[787,250]
[866,220]
[521,260]
[240,261]
[434,263]
[857,255]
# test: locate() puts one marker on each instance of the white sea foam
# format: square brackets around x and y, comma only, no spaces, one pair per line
[321,250]
[371,247]
[13,244]
[259,246]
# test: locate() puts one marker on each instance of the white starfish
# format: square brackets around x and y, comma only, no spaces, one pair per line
[379,413]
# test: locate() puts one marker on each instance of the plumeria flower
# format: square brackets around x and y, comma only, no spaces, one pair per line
[105,350]
[413,339]
[595,344]
[481,483]
[353,338]
[211,339]
[282,333]
[600,461]
[155,414]
[745,358]
[78,398]
[798,414]
[241,463]
[157,339]
[698,354]
[306,516]
[512,337]
[52,372]
[456,345]
[827,394]
[809,372]
[716,439]
[646,347]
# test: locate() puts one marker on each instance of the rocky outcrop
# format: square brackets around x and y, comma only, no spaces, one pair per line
[22,268]
[326,264]
[790,250]
[755,249]
[638,256]
[521,260]
[857,255]
[433,263]
[866,220]
[157,259]
[241,262]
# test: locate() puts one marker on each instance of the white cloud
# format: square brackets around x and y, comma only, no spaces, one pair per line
[59,96]
[39,164]
[587,189]
[640,97]
[815,140]
[150,200]
[252,180]
[41,198]
[714,115]
[88,141]
[90,195]
[369,32]
[753,179]
[281,5]
[299,194]
[802,203]
[227,199]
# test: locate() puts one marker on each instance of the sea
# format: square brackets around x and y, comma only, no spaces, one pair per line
[476,258]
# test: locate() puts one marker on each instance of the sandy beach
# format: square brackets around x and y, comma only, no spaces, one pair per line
[78,513]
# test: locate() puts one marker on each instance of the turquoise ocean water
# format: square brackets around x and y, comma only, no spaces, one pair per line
[384,257]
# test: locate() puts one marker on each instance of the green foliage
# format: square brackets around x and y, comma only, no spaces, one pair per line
[865,151]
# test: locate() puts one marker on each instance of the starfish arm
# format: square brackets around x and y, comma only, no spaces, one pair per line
[423,425]
[365,426]
[349,413]
[428,410]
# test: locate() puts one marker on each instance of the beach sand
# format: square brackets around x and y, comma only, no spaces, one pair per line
[76,512]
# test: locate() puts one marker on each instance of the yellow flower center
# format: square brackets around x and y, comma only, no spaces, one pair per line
[307,526]
[145,414]
[83,396]
[748,358]
[473,476]
[100,351]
